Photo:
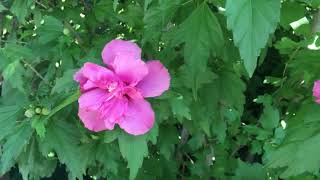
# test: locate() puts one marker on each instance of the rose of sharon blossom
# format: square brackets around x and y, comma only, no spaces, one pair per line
[316,91]
[115,94]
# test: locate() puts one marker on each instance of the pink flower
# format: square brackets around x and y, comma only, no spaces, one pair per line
[316,91]
[115,94]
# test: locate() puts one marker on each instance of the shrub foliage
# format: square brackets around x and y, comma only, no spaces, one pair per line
[240,104]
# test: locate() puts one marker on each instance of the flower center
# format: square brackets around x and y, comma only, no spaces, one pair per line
[112,86]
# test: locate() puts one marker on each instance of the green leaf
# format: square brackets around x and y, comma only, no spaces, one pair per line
[180,108]
[146,4]
[133,16]
[104,10]
[202,36]
[39,125]
[204,77]
[2,8]
[303,152]
[65,83]
[297,154]
[63,138]
[133,149]
[115,4]
[50,30]
[14,145]
[110,136]
[270,117]
[286,46]
[157,17]
[168,137]
[109,156]
[20,8]
[251,22]
[152,135]
[32,165]
[305,59]
[313,3]
[219,97]
[247,171]
[227,90]
[8,118]
[15,51]
[13,74]
[291,11]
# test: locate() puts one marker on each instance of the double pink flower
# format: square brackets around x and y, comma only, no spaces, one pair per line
[115,95]
[316,91]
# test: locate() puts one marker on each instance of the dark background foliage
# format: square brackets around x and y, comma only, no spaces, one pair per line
[240,104]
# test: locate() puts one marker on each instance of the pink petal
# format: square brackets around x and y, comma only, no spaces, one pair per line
[92,75]
[116,47]
[112,110]
[92,121]
[129,71]
[98,110]
[316,91]
[79,77]
[156,82]
[132,92]
[139,117]
[93,99]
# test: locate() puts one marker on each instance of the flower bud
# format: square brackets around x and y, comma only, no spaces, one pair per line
[38,110]
[45,111]
[29,113]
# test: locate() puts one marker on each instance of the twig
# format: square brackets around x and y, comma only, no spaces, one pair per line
[20,42]
[35,71]
[186,2]
[40,4]
[290,58]
[191,160]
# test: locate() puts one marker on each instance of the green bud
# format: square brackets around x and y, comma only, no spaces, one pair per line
[51,154]
[66,31]
[94,137]
[29,113]
[38,110]
[45,111]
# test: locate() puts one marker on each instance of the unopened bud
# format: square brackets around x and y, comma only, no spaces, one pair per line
[29,113]
[38,110]
[45,111]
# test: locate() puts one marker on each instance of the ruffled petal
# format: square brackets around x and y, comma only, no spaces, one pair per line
[93,99]
[129,71]
[99,110]
[116,47]
[138,119]
[132,92]
[112,110]
[92,121]
[92,75]
[156,81]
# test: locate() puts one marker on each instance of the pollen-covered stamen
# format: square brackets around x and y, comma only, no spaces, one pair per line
[112,86]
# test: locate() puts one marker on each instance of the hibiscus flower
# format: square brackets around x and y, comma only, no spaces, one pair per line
[316,91]
[115,94]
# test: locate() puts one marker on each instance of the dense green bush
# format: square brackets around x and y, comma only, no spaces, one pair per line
[240,104]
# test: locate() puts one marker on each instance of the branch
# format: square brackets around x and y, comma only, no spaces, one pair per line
[35,71]
[40,4]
